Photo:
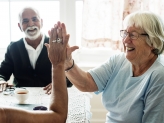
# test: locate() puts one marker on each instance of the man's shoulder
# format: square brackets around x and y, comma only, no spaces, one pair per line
[15,43]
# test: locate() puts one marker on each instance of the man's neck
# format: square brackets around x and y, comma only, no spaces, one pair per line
[34,43]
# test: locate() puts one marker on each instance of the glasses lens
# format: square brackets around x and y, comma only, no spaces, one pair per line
[133,35]
[123,33]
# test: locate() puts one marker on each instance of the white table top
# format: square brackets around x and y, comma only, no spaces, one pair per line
[78,103]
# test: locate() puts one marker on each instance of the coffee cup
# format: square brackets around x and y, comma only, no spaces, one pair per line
[21,95]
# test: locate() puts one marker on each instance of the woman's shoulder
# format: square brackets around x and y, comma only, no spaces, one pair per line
[160,59]
[118,58]
[120,55]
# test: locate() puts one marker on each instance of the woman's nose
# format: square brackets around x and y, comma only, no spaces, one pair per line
[126,39]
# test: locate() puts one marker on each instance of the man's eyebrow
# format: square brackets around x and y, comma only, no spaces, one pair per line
[34,17]
[25,19]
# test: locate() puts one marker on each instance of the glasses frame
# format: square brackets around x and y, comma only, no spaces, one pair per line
[130,34]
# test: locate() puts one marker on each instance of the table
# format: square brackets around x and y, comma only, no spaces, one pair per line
[78,103]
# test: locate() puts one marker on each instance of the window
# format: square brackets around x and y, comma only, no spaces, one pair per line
[67,11]
[9,10]
[4,24]
[51,11]
[45,12]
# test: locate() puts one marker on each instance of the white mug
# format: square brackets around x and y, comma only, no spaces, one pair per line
[21,95]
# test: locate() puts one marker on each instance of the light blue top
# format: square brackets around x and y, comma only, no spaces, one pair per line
[131,99]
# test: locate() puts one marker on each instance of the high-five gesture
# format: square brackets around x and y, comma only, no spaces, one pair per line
[57,47]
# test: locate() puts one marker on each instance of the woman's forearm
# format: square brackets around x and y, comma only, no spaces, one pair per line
[81,79]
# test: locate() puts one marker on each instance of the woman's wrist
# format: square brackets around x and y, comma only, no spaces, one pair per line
[71,66]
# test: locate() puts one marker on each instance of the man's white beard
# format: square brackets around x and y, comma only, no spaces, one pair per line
[32,35]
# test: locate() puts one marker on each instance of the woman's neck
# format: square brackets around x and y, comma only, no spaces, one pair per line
[142,67]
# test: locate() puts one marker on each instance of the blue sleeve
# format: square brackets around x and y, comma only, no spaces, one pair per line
[154,100]
[102,73]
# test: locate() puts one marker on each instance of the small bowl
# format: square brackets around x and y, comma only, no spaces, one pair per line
[21,95]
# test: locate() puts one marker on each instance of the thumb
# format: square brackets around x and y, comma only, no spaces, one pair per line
[47,46]
[73,48]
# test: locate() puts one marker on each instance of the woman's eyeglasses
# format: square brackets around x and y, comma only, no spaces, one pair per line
[132,35]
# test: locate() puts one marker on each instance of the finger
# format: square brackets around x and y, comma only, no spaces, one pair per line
[4,86]
[48,47]
[1,87]
[59,24]
[60,30]
[51,36]
[49,92]
[64,32]
[60,33]
[49,33]
[45,88]
[69,51]
[49,89]
[65,40]
[54,34]
[73,48]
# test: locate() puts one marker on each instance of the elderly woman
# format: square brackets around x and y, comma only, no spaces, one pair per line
[58,106]
[131,83]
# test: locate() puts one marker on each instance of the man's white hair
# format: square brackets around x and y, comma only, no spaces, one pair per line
[32,8]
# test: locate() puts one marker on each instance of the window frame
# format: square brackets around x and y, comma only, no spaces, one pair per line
[84,57]
[67,8]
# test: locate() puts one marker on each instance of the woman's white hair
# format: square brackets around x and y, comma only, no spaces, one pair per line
[152,24]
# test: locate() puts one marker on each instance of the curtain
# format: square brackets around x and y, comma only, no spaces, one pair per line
[102,20]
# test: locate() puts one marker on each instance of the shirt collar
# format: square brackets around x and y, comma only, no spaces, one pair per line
[27,46]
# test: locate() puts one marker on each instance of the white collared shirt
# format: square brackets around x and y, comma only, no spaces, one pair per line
[34,53]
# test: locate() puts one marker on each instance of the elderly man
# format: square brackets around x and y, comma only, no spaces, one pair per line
[27,59]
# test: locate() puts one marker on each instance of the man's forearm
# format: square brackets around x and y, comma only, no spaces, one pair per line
[2,116]
[59,96]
